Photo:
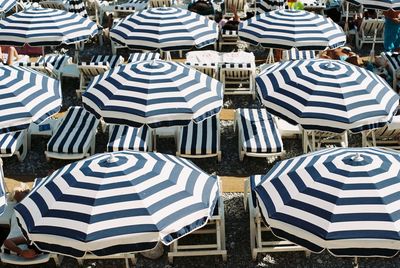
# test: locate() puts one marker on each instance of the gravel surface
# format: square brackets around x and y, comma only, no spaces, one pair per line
[237,224]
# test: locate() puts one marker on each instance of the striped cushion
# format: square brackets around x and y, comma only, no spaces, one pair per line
[237,66]
[128,138]
[134,57]
[315,4]
[58,61]
[74,133]
[259,132]
[229,32]
[254,180]
[393,59]
[113,60]
[77,7]
[37,65]
[295,54]
[9,142]
[201,138]
[209,69]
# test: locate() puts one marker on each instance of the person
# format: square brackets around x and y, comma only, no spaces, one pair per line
[15,237]
[233,23]
[202,7]
[12,54]
[368,14]
[392,30]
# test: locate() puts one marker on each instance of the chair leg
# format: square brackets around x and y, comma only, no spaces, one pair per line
[21,156]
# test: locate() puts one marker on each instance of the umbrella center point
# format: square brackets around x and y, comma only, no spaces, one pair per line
[330,66]
[357,157]
[112,159]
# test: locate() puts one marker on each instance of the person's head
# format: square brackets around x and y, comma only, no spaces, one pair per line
[19,193]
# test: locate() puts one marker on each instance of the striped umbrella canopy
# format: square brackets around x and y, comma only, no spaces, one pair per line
[327,95]
[45,27]
[268,5]
[285,29]
[156,93]
[345,200]
[165,28]
[77,7]
[117,203]
[7,5]
[25,97]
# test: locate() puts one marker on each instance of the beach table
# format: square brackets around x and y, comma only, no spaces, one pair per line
[211,56]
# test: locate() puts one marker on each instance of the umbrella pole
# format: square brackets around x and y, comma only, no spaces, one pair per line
[346,24]
[154,140]
[355,262]
[270,58]
[168,56]
[372,52]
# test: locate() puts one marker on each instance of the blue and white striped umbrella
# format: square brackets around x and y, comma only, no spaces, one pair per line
[7,5]
[269,5]
[285,29]
[26,97]
[165,28]
[77,7]
[156,93]
[345,200]
[45,27]
[116,203]
[327,95]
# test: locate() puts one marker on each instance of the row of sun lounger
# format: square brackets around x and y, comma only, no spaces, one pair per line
[74,137]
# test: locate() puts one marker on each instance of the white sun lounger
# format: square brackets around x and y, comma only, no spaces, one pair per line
[295,54]
[313,140]
[368,28]
[200,140]
[258,134]
[129,138]
[75,136]
[14,143]
[210,69]
[238,78]
[215,228]
[393,65]
[258,229]
[143,56]
[387,136]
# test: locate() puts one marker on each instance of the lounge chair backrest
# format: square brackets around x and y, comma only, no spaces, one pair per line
[135,57]
[72,134]
[43,67]
[295,54]
[393,59]
[237,70]
[239,4]
[209,69]
[368,27]
[58,61]
[160,3]
[112,60]
[90,70]
[54,4]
